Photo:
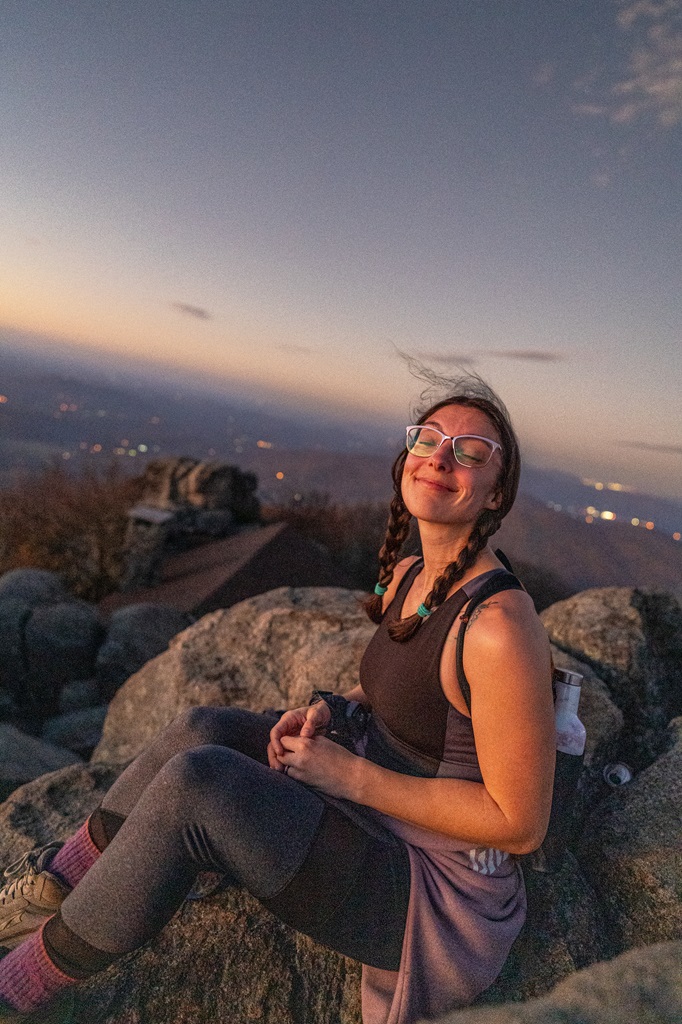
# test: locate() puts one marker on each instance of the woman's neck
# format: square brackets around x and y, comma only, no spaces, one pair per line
[441,548]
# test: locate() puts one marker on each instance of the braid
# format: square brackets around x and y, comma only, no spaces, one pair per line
[486,524]
[397,531]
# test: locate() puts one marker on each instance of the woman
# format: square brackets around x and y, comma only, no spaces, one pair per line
[399,852]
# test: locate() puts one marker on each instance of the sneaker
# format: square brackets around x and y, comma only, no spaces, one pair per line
[30,895]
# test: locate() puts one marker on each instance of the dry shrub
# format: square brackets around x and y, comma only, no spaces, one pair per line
[70,524]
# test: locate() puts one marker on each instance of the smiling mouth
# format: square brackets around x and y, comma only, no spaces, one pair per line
[433,483]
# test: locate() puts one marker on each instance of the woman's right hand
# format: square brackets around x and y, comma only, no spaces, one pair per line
[307,721]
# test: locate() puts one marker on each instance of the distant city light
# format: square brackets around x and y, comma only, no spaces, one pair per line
[142,447]
[598,486]
[677,535]
[264,444]
[119,451]
[280,475]
[83,445]
[649,525]
[592,511]
[125,442]
[608,515]
[66,455]
[589,519]
[3,399]
[63,407]
[97,448]
[635,521]
[132,452]
[297,497]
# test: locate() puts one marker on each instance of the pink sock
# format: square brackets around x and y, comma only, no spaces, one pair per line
[76,856]
[28,978]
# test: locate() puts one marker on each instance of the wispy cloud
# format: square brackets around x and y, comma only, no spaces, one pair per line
[530,354]
[198,312]
[648,85]
[665,449]
[447,358]
[468,359]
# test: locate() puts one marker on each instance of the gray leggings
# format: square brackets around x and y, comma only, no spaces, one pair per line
[202,798]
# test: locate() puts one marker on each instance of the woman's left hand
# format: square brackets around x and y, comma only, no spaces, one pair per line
[320,763]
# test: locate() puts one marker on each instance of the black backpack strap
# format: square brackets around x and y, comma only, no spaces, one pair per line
[495,585]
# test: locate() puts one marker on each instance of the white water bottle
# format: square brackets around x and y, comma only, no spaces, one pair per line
[570,748]
[570,731]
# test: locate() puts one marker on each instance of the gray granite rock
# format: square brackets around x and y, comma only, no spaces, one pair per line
[79,731]
[33,586]
[135,634]
[633,641]
[643,986]
[23,758]
[631,851]
[269,651]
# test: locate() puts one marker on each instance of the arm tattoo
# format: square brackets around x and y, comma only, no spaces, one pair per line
[477,611]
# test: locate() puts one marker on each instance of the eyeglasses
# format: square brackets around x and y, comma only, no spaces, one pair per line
[470,450]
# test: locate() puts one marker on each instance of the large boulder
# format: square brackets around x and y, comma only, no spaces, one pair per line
[135,635]
[269,651]
[23,758]
[79,731]
[33,586]
[564,931]
[632,851]
[61,642]
[643,985]
[14,614]
[633,641]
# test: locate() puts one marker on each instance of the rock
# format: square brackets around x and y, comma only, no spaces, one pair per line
[135,635]
[221,959]
[632,854]
[61,643]
[643,985]
[80,694]
[564,931]
[52,807]
[603,722]
[23,758]
[79,731]
[14,614]
[176,482]
[33,586]
[269,651]
[633,641]
[225,959]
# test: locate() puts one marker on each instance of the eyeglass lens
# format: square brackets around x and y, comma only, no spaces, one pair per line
[469,451]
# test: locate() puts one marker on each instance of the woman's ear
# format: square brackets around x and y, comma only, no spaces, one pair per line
[495,501]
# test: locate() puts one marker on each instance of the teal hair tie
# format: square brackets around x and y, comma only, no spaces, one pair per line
[378,589]
[423,612]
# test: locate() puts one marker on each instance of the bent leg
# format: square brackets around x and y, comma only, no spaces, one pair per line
[216,809]
[245,731]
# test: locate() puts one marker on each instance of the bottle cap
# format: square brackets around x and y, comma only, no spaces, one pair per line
[617,774]
[564,675]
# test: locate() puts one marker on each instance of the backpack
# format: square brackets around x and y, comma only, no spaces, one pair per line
[561,829]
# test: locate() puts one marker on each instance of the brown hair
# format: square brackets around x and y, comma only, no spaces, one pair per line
[468,390]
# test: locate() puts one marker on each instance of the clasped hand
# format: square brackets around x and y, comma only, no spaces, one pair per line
[296,744]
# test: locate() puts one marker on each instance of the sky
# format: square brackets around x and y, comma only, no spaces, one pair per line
[283,197]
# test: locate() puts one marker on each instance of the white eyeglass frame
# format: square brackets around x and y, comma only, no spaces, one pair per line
[447,437]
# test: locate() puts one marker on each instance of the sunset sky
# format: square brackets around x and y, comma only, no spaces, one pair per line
[286,195]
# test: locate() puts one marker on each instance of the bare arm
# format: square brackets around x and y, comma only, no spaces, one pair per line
[508,667]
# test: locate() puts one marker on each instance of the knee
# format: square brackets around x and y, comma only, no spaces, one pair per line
[197,726]
[192,776]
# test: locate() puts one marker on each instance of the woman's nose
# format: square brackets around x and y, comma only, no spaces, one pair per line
[443,455]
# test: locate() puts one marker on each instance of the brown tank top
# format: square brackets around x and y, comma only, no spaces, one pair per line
[414,727]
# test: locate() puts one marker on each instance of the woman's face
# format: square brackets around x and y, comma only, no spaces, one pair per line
[437,488]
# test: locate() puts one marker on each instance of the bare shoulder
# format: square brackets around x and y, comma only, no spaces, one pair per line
[401,568]
[506,628]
